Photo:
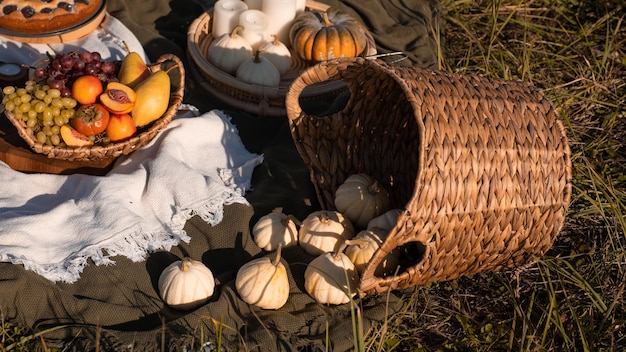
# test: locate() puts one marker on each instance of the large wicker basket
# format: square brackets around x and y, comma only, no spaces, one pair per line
[253,98]
[115,149]
[480,167]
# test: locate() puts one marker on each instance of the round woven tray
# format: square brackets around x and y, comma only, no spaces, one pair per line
[479,167]
[115,149]
[253,98]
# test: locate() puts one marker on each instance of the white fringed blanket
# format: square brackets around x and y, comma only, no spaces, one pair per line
[53,224]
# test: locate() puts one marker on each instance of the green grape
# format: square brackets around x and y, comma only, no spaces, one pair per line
[57,103]
[8,90]
[17,100]
[46,113]
[47,99]
[47,123]
[32,114]
[56,111]
[55,129]
[25,107]
[55,139]
[59,120]
[46,130]
[39,106]
[26,98]
[21,91]
[30,123]
[9,105]
[18,114]
[69,103]
[54,93]
[41,137]
[40,93]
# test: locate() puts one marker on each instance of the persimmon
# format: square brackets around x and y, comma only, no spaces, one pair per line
[90,119]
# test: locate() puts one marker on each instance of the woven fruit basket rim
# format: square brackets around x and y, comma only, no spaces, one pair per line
[113,149]
[254,98]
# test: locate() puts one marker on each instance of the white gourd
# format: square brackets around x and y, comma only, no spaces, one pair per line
[264,283]
[273,229]
[228,51]
[323,230]
[386,221]
[361,198]
[331,278]
[258,70]
[186,284]
[361,252]
[278,54]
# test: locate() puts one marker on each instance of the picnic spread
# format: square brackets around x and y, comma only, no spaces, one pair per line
[85,250]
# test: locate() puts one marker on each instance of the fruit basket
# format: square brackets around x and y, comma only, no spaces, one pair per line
[97,152]
[254,98]
[479,168]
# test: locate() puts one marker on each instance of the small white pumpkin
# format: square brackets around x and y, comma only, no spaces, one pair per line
[228,51]
[361,252]
[263,283]
[386,221]
[186,284]
[361,198]
[323,230]
[331,278]
[278,54]
[274,229]
[258,70]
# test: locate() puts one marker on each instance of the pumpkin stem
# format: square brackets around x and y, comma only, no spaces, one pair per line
[374,187]
[326,19]
[343,245]
[184,264]
[235,32]
[257,56]
[278,250]
[275,41]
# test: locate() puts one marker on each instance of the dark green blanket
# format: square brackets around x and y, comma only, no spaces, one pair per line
[120,303]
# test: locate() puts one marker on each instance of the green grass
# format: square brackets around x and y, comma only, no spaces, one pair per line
[574,298]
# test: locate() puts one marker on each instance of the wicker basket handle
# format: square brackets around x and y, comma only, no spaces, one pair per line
[317,73]
[166,61]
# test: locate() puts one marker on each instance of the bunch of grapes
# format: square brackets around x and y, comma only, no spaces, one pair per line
[42,109]
[62,69]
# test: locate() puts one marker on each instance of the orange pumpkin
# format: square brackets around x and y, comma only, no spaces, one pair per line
[322,35]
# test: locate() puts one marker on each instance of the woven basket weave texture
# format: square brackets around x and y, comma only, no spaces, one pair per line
[480,167]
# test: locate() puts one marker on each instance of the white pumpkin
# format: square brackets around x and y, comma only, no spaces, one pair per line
[331,278]
[361,198]
[323,230]
[363,247]
[258,70]
[386,221]
[274,229]
[264,283]
[278,54]
[228,51]
[186,284]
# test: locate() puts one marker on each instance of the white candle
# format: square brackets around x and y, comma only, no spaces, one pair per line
[280,14]
[226,16]
[300,6]
[255,24]
[254,4]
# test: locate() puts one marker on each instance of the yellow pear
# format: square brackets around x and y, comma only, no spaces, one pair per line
[153,98]
[133,70]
